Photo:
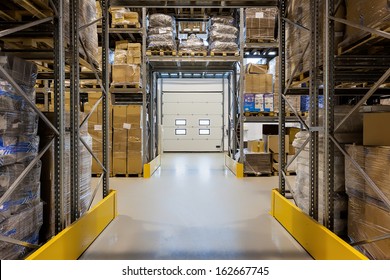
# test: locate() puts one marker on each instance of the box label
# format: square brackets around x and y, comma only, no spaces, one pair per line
[98,127]
[259,15]
[127,126]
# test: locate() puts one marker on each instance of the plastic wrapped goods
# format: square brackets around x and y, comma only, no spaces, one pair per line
[366,221]
[223,46]
[226,20]
[222,37]
[9,173]
[18,149]
[161,37]
[225,29]
[161,20]
[375,162]
[162,45]
[23,72]
[120,56]
[161,33]
[301,188]
[88,35]
[261,12]
[21,123]
[85,175]
[23,226]
[23,197]
[160,30]
[11,101]
[192,44]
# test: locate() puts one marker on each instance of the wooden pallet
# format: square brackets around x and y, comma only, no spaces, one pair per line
[260,40]
[303,114]
[128,25]
[287,114]
[132,85]
[121,175]
[258,114]
[227,53]
[257,174]
[160,53]
[185,53]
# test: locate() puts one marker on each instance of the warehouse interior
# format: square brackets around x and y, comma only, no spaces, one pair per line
[175,130]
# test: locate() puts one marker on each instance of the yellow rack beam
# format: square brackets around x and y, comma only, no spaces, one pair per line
[234,166]
[319,242]
[151,167]
[70,243]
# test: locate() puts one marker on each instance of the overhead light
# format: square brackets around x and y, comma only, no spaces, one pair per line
[272,53]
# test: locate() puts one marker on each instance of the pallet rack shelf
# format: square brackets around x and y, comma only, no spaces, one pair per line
[64,63]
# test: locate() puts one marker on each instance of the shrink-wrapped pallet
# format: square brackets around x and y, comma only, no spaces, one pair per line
[192,44]
[222,34]
[22,226]
[161,33]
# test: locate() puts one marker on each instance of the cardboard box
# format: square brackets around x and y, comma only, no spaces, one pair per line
[134,134]
[261,12]
[249,102]
[119,116]
[291,149]
[134,162]
[292,131]
[134,146]
[125,74]
[120,56]
[376,129]
[256,146]
[260,33]
[366,221]
[258,83]
[131,17]
[119,161]
[121,45]
[252,68]
[272,143]
[134,47]
[258,23]
[268,102]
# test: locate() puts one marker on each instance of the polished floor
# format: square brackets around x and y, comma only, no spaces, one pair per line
[193,208]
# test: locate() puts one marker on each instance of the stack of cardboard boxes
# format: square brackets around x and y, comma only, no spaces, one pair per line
[95,129]
[127,140]
[273,69]
[260,24]
[368,214]
[127,59]
[258,95]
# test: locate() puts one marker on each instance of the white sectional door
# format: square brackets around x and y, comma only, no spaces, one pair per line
[192,121]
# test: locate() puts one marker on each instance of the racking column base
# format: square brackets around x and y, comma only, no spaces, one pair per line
[71,243]
[318,241]
[151,167]
[234,166]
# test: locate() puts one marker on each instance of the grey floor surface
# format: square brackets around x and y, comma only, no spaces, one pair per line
[193,208]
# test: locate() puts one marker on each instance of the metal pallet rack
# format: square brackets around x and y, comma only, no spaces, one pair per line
[60,56]
[337,68]
[231,67]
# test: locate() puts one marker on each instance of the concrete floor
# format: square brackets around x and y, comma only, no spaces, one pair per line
[194,208]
